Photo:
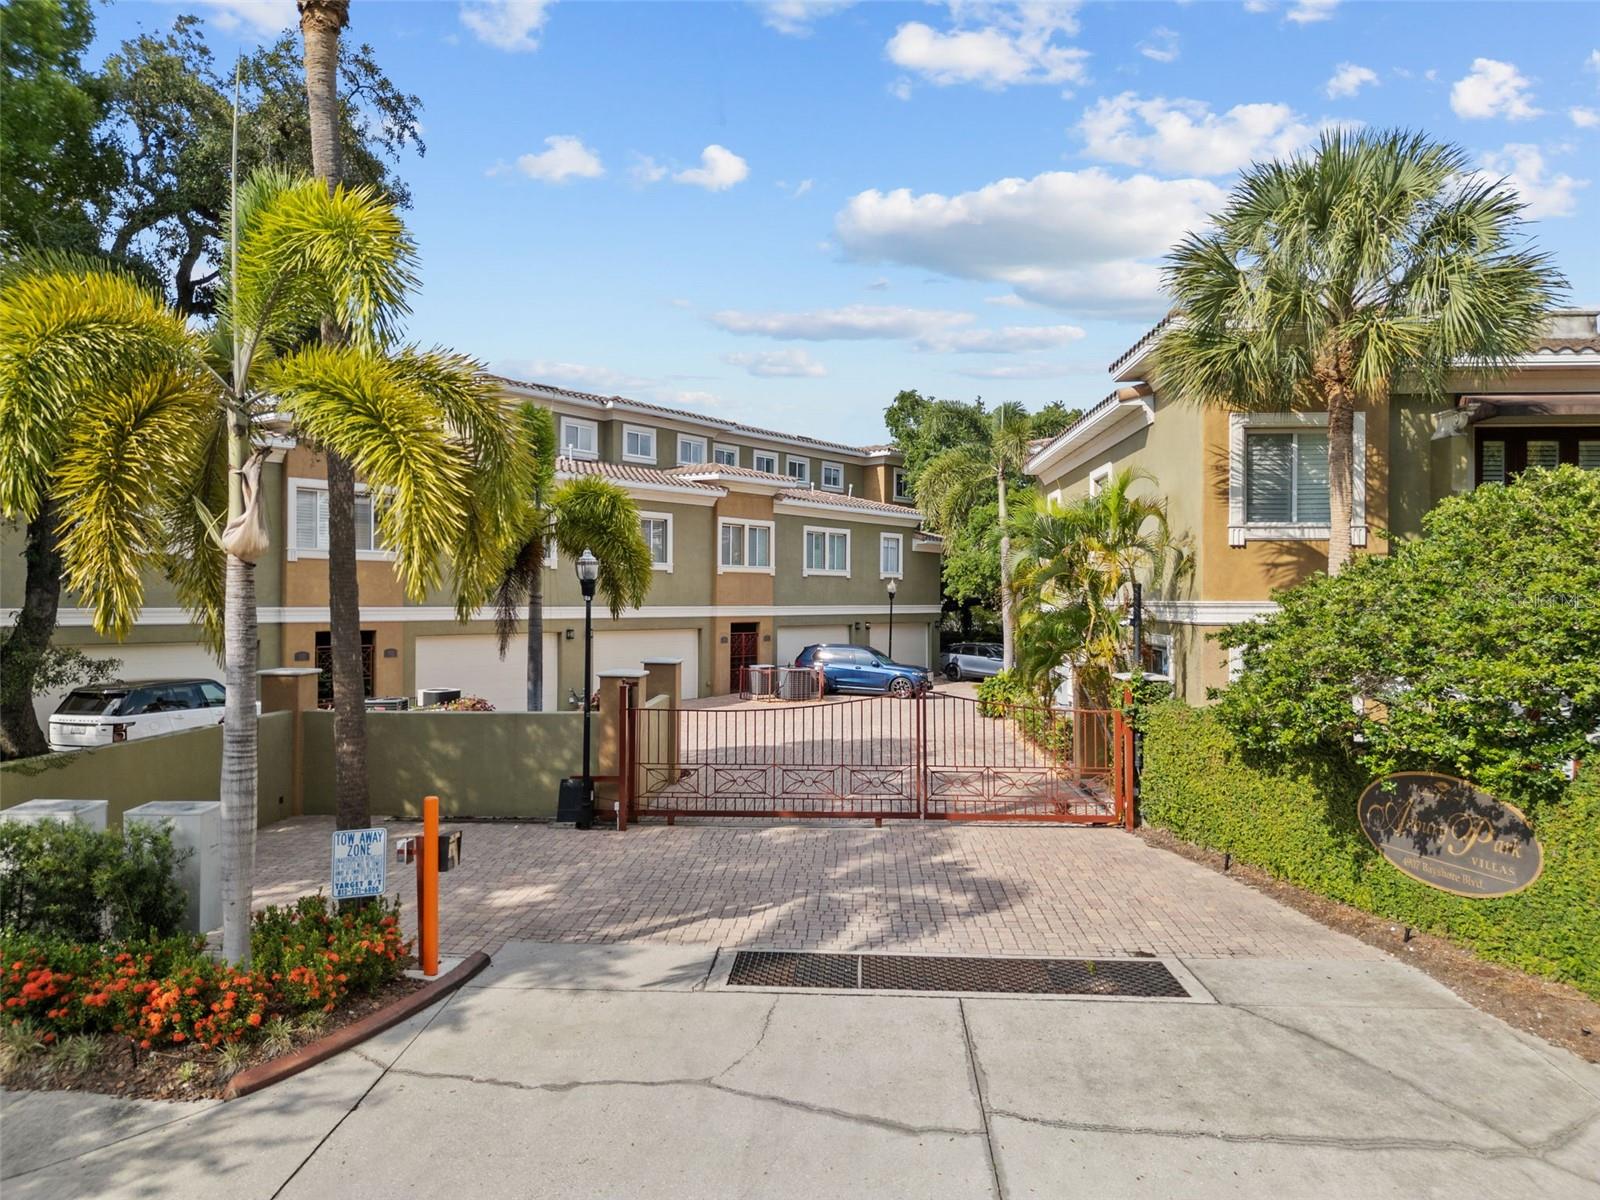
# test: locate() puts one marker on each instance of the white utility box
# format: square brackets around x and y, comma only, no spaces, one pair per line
[89,813]
[197,836]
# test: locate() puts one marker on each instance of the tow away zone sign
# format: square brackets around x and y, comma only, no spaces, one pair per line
[360,863]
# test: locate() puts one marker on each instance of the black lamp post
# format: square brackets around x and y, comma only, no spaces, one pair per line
[893,588]
[588,568]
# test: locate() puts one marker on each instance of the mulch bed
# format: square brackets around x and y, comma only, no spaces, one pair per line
[1561,1015]
[123,1070]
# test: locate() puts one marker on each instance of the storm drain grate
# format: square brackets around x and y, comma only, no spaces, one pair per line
[910,973]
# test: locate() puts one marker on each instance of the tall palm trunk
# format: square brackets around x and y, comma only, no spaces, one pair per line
[320,23]
[1008,651]
[241,656]
[1341,456]
[29,639]
[536,637]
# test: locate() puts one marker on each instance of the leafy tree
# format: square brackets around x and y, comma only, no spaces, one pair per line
[136,428]
[1076,565]
[1054,419]
[1471,650]
[171,110]
[1329,275]
[57,167]
[588,513]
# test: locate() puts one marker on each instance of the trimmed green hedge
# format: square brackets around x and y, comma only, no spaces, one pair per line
[1300,825]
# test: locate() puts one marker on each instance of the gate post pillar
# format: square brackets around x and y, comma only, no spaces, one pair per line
[663,677]
[608,736]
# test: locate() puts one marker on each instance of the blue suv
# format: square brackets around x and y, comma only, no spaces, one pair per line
[863,669]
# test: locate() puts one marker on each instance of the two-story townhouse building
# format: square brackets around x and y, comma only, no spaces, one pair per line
[1249,490]
[763,542]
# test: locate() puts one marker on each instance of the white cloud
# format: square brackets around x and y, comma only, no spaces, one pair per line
[694,399]
[1592,63]
[795,17]
[566,158]
[993,45]
[900,89]
[1306,12]
[940,330]
[1186,136]
[1584,118]
[584,377]
[1161,45]
[1257,6]
[1006,300]
[1348,79]
[1492,89]
[507,24]
[777,364]
[795,190]
[1023,370]
[646,169]
[719,169]
[1078,239]
[1010,339]
[1523,167]
[261,16]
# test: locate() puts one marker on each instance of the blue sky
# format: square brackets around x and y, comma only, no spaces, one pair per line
[783,213]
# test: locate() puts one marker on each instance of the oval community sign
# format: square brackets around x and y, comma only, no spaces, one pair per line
[1449,834]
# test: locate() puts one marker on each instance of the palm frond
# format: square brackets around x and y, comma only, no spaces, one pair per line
[595,514]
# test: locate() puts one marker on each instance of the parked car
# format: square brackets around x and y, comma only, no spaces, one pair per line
[970,660]
[863,669]
[103,713]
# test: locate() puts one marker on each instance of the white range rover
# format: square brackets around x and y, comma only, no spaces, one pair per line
[103,713]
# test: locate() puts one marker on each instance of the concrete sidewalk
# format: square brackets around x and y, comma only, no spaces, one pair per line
[627,1070]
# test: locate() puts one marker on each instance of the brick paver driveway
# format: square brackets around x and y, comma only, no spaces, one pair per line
[923,887]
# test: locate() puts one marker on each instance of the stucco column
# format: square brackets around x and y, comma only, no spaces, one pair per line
[292,690]
[663,677]
[607,735]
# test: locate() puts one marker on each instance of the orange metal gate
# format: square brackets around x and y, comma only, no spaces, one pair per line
[931,757]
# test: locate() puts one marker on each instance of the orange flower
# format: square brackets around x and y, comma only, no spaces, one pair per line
[254,1019]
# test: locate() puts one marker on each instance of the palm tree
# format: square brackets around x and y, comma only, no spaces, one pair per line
[320,24]
[1327,276]
[587,513]
[137,429]
[1076,564]
[956,480]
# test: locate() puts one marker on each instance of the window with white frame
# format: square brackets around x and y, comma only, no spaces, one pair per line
[890,548]
[744,546]
[579,438]
[833,476]
[657,530]
[1098,478]
[797,468]
[639,444]
[902,485]
[763,461]
[311,521]
[1278,478]
[725,456]
[691,450]
[550,556]
[827,551]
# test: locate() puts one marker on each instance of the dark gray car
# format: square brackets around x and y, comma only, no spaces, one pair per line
[970,660]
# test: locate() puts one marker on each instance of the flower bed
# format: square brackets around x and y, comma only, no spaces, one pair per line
[69,1005]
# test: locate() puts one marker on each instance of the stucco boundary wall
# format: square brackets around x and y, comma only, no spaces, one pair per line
[176,766]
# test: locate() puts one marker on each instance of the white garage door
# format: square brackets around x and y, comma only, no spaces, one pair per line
[794,638]
[167,661]
[910,641]
[471,662]
[617,649]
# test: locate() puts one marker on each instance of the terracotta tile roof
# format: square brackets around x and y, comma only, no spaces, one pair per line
[837,500]
[710,471]
[1568,345]
[626,404]
[628,473]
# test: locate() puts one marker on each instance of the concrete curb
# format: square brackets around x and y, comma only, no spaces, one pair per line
[353,1034]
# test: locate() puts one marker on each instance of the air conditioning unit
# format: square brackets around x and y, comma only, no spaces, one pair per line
[429,696]
[388,703]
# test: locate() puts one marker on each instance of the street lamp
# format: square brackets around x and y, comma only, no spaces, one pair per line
[893,588]
[588,568]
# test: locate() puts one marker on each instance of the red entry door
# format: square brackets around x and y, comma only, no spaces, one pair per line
[743,642]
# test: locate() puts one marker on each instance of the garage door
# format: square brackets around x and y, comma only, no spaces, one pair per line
[166,661]
[471,662]
[794,638]
[910,641]
[616,649]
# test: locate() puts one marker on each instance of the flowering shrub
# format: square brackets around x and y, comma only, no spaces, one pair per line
[306,956]
[462,704]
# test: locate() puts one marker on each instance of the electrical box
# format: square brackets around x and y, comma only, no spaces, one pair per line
[196,827]
[89,813]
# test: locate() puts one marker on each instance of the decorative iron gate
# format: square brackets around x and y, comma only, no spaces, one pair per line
[932,757]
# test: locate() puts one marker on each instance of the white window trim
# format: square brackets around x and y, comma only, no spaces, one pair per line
[826,530]
[804,461]
[767,454]
[550,556]
[639,458]
[894,486]
[705,450]
[832,487]
[667,517]
[718,447]
[1099,477]
[1242,531]
[901,540]
[1165,642]
[293,552]
[772,546]
[573,451]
